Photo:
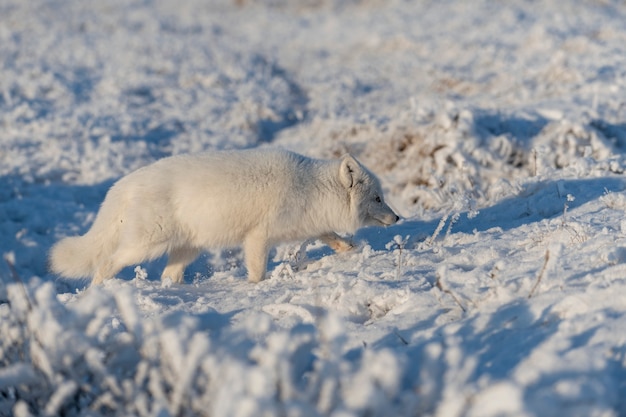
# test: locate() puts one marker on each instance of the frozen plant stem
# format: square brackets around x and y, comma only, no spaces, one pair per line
[541,274]
[399,266]
[402,339]
[400,244]
[453,220]
[18,280]
[569,198]
[440,284]
[438,230]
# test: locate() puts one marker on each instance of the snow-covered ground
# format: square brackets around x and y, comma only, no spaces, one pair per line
[498,130]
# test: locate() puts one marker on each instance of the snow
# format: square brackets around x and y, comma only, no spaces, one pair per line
[497,129]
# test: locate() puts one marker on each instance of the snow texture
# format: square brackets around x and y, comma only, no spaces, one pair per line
[498,130]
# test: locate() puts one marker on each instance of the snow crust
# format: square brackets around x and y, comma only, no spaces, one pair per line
[497,129]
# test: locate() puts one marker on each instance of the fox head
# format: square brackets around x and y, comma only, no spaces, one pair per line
[367,204]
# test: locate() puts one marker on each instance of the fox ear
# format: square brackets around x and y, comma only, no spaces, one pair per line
[348,171]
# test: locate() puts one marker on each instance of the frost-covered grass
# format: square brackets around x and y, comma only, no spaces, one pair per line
[497,129]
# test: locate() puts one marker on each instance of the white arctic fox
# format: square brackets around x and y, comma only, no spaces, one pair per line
[254,198]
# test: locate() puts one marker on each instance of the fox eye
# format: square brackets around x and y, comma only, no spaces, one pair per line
[378,200]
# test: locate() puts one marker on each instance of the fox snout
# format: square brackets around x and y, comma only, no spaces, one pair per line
[385,216]
[389,219]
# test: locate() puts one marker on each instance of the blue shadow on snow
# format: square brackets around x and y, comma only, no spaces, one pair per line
[536,202]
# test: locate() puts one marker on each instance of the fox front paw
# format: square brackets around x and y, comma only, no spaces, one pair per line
[337,243]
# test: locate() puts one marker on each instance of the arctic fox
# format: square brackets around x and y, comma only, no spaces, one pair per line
[254,198]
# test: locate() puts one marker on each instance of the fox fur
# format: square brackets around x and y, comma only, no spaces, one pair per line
[183,204]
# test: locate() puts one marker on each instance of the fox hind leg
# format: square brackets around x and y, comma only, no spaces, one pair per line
[178,260]
[105,270]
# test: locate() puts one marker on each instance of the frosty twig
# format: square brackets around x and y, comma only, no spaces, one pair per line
[444,288]
[541,274]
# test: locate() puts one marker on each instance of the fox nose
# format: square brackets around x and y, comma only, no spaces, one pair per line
[397,218]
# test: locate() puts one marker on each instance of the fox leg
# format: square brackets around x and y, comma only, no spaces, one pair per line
[177,261]
[336,242]
[105,270]
[256,251]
